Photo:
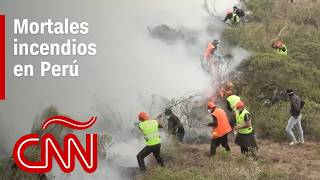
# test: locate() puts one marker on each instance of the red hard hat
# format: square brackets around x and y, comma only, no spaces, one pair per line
[239,105]
[229,11]
[211,105]
[143,116]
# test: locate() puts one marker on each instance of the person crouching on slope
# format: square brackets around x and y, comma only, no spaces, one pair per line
[232,17]
[245,134]
[150,131]
[175,126]
[280,47]
[220,130]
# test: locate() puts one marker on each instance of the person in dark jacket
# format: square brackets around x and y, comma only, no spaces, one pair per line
[174,125]
[295,112]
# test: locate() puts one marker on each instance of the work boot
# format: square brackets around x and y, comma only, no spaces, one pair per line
[144,172]
[293,143]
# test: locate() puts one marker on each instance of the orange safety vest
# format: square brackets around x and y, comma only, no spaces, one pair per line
[210,50]
[223,123]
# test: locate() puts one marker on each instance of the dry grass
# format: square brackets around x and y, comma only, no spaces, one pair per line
[276,161]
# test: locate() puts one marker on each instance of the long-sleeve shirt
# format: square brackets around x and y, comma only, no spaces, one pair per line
[228,16]
[214,122]
[173,124]
[240,12]
[229,106]
[295,105]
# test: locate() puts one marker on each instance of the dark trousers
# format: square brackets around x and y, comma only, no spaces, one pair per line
[244,150]
[180,134]
[216,143]
[155,149]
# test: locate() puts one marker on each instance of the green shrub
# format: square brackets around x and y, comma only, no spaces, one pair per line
[266,71]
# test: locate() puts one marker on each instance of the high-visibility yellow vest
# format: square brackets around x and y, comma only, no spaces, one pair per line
[235,19]
[233,100]
[283,52]
[150,130]
[240,121]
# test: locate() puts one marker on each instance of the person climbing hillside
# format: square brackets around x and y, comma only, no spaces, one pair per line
[220,128]
[150,131]
[245,134]
[211,49]
[295,112]
[232,100]
[175,126]
[232,17]
[225,87]
[239,12]
[280,47]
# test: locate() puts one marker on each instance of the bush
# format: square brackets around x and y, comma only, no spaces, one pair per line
[266,72]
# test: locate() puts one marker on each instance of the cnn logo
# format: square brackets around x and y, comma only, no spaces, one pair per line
[50,148]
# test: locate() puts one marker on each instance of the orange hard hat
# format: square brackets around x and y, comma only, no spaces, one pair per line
[239,105]
[143,116]
[229,93]
[211,105]
[278,43]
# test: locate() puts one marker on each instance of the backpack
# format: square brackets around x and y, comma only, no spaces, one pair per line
[302,104]
[240,13]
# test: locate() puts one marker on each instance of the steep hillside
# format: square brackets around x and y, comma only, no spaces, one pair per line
[266,74]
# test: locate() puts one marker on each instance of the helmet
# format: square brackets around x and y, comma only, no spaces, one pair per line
[229,11]
[143,116]
[211,105]
[239,105]
[229,93]
[167,111]
[277,44]
[215,41]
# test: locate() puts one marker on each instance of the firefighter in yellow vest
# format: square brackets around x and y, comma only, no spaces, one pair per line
[232,100]
[220,128]
[245,135]
[280,47]
[232,17]
[150,131]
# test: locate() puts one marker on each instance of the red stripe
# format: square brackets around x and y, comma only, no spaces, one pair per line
[68,122]
[2,57]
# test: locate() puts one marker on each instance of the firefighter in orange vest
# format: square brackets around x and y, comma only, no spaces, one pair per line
[221,128]
[211,48]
